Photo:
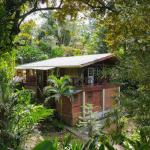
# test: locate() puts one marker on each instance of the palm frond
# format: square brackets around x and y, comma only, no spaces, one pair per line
[58,87]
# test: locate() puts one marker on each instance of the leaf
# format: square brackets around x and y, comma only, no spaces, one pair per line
[102,147]
[86,146]
[110,147]
[47,145]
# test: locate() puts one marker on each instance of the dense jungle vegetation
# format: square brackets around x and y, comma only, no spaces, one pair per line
[76,27]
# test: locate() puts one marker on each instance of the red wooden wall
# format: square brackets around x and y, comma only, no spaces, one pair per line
[71,110]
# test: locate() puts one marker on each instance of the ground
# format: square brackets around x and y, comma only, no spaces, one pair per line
[50,130]
[45,131]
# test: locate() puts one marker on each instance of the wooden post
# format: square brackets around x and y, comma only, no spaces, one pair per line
[119,90]
[82,77]
[119,94]
[103,101]
[83,104]
[27,75]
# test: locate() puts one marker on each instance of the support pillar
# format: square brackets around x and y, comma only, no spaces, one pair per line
[119,94]
[103,101]
[83,104]
[119,90]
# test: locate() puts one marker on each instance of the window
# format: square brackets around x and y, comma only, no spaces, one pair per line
[93,74]
[90,75]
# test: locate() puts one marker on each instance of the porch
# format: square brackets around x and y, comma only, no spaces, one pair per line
[33,79]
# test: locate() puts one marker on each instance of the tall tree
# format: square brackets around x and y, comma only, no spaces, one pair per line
[96,40]
[128,37]
[13,13]
[53,27]
[26,35]
[128,28]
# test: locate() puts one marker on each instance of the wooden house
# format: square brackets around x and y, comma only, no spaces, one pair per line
[85,73]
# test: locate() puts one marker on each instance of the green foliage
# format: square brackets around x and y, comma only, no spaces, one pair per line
[21,117]
[25,37]
[96,41]
[55,144]
[127,26]
[47,145]
[29,53]
[57,52]
[135,141]
[70,51]
[97,143]
[100,142]
[127,37]
[58,89]
[26,115]
[89,121]
[64,37]
[76,145]
[17,116]
[59,126]
[53,27]
[6,76]
[12,14]
[45,47]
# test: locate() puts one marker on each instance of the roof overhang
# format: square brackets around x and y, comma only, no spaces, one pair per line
[34,68]
[98,60]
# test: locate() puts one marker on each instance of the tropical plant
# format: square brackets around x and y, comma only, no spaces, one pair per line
[17,116]
[47,145]
[58,89]
[90,121]
[136,141]
[97,143]
[55,144]
[6,74]
[127,24]
[58,125]
[20,119]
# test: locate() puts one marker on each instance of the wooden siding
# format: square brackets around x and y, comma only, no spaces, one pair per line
[73,109]
[72,72]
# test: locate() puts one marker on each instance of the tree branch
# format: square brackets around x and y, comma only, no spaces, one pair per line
[101,6]
[35,9]
[61,2]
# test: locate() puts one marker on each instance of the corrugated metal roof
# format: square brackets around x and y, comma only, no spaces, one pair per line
[67,62]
